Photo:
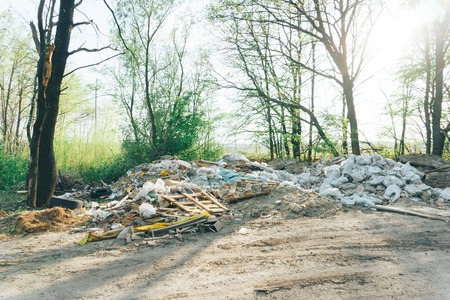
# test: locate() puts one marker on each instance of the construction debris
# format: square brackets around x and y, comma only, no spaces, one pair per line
[170,197]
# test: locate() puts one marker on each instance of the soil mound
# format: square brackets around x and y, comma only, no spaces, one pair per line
[52,219]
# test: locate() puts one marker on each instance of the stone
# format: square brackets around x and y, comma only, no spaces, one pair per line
[370,189]
[423,186]
[377,180]
[412,190]
[392,193]
[348,186]
[393,180]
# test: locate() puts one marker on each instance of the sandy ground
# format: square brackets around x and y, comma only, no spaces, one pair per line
[350,254]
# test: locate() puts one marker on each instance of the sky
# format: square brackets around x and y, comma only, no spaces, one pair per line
[396,28]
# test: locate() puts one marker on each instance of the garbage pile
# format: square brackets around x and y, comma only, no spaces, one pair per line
[172,196]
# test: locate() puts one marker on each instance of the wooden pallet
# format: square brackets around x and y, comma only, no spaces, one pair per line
[196,202]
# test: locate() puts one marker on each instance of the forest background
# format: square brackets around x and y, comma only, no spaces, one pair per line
[278,79]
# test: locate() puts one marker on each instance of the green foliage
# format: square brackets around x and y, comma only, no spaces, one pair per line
[210,151]
[108,172]
[178,134]
[13,170]
[96,159]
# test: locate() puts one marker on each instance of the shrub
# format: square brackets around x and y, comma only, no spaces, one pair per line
[13,171]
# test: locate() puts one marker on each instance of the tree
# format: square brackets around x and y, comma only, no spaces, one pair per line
[342,27]
[16,73]
[274,59]
[442,44]
[51,35]
[427,69]
[162,98]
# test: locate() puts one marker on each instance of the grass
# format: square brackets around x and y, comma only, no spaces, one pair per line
[98,158]
[12,204]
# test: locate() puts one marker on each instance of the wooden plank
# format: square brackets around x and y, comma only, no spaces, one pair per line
[190,197]
[185,206]
[215,201]
[196,202]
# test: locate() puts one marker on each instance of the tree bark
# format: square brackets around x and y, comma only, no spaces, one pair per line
[426,101]
[438,136]
[42,169]
[351,114]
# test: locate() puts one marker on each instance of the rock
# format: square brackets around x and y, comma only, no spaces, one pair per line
[348,186]
[358,175]
[423,186]
[445,194]
[332,192]
[392,193]
[393,180]
[377,180]
[370,189]
[412,190]
[363,160]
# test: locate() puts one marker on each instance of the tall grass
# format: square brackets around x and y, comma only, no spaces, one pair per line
[93,159]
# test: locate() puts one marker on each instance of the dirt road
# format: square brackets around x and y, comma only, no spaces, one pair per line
[350,255]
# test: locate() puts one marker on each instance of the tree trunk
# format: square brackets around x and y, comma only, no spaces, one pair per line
[344,128]
[284,134]
[271,135]
[296,133]
[42,170]
[438,136]
[426,101]
[351,114]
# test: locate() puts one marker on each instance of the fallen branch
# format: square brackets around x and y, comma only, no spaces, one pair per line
[408,212]
[437,170]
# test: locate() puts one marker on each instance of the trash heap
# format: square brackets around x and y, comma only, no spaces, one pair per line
[172,196]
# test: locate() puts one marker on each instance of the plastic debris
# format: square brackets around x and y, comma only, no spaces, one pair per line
[146,210]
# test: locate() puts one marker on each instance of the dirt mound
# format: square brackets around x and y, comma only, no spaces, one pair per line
[288,204]
[309,204]
[52,219]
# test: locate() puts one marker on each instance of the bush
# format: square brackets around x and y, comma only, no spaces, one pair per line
[13,171]
[108,172]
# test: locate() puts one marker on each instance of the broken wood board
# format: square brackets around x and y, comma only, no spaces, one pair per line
[196,202]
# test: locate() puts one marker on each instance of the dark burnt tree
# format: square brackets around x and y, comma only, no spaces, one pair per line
[51,34]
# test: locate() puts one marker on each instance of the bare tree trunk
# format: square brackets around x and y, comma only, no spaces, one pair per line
[426,102]
[344,128]
[42,170]
[351,114]
[271,137]
[438,136]
[284,133]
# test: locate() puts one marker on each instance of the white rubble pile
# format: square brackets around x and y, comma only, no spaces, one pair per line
[369,180]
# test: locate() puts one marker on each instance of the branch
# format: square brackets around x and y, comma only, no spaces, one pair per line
[78,3]
[90,50]
[35,36]
[92,65]
[83,23]
[119,30]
